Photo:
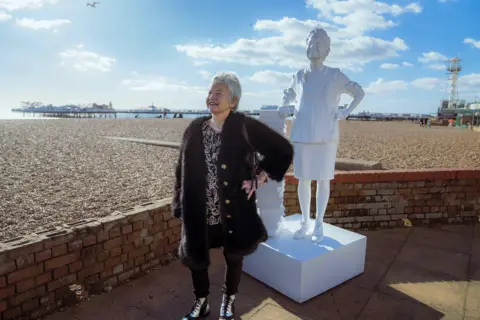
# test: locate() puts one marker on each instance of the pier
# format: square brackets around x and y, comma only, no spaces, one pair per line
[114,113]
[108,113]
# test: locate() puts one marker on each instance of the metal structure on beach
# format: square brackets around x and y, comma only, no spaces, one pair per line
[454,108]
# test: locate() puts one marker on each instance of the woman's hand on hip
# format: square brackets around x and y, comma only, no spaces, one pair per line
[250,188]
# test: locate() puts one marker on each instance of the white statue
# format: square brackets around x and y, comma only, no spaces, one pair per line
[315,91]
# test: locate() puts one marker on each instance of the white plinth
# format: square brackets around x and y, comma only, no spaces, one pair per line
[270,196]
[302,269]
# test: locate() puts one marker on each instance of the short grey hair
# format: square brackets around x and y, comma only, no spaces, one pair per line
[233,84]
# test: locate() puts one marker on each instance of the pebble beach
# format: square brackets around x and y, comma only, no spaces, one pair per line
[58,171]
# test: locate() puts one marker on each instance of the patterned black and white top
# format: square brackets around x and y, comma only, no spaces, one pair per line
[211,142]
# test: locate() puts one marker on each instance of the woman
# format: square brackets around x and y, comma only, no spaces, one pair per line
[216,178]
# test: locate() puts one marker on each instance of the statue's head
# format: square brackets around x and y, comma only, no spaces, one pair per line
[318,44]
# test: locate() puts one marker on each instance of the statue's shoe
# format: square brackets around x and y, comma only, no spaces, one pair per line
[317,234]
[301,233]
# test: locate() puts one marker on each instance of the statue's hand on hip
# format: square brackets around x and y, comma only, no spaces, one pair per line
[284,112]
[342,114]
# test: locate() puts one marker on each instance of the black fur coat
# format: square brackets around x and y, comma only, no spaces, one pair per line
[242,227]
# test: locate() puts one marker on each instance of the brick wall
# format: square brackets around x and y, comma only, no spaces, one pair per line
[44,271]
[372,199]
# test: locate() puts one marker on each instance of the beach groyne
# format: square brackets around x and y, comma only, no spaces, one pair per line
[54,268]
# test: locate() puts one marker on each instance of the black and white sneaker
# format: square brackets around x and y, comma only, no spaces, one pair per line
[227,310]
[200,309]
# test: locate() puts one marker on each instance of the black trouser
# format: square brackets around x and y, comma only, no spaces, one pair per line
[233,272]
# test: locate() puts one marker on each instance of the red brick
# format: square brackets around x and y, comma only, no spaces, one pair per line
[43,255]
[61,261]
[26,273]
[137,225]
[7,267]
[25,261]
[3,306]
[60,272]
[27,295]
[43,278]
[30,247]
[59,250]
[139,261]
[127,229]
[138,252]
[30,305]
[102,236]
[75,266]
[115,251]
[12,313]
[25,285]
[61,282]
[7,292]
[89,240]
[75,245]
[3,282]
[116,242]
[85,272]
[115,232]
[58,240]
[112,262]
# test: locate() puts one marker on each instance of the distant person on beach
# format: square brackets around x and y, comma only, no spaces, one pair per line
[217,173]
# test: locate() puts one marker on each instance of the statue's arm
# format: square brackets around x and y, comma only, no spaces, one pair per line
[355,91]
[288,99]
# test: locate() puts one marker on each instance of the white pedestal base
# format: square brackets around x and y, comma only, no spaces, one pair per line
[302,269]
[270,196]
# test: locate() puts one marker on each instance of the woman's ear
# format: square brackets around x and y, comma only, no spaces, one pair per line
[234,102]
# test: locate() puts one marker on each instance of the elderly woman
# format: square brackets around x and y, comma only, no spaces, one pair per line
[216,176]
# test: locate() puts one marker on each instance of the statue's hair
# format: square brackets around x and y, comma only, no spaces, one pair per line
[233,84]
[319,34]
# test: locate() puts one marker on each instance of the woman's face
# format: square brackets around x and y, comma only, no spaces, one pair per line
[218,99]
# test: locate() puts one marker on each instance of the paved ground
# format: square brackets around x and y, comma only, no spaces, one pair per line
[416,273]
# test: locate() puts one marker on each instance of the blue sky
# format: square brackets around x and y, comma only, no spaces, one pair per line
[135,53]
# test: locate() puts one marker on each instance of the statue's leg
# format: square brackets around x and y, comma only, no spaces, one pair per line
[323,194]
[304,197]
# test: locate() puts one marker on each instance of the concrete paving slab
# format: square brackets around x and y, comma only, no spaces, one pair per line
[441,239]
[416,273]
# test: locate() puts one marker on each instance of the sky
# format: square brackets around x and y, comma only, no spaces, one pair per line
[135,53]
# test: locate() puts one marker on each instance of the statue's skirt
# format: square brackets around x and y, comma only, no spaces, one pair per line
[314,161]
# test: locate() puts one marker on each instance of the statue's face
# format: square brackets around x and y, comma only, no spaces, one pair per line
[318,46]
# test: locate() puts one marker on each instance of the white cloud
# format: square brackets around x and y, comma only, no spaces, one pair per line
[12,5]
[4,16]
[426,83]
[389,66]
[200,63]
[396,65]
[205,74]
[437,66]
[473,42]
[159,83]
[469,84]
[445,1]
[42,24]
[432,60]
[83,60]
[361,16]
[346,22]
[272,77]
[432,56]
[381,86]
